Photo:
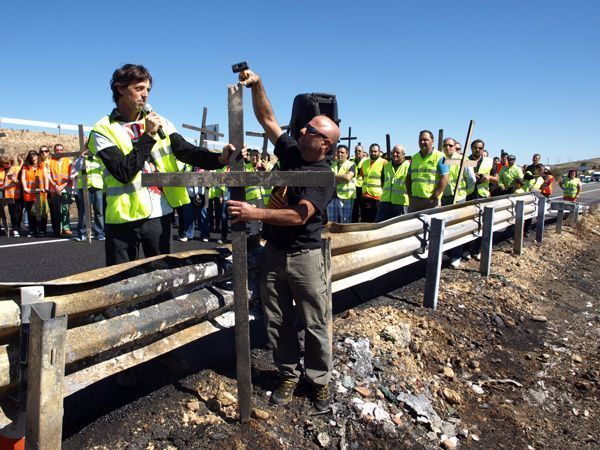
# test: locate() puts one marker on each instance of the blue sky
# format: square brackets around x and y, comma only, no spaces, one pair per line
[526,72]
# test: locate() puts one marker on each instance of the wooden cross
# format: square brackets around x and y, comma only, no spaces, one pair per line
[349,138]
[263,135]
[204,130]
[237,179]
[440,139]
[462,160]
[84,181]
[388,147]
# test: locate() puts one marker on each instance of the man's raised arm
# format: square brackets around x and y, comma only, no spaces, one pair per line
[262,107]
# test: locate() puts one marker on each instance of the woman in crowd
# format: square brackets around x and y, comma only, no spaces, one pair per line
[33,185]
[12,189]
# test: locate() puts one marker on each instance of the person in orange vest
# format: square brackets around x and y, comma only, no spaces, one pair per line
[33,185]
[547,185]
[12,189]
[60,192]
[371,171]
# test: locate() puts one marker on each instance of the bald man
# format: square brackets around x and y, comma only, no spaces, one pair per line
[292,269]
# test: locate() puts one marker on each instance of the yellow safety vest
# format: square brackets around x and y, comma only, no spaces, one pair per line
[485,168]
[131,201]
[347,189]
[358,174]
[424,173]
[394,184]
[533,184]
[371,171]
[252,192]
[94,170]
[570,188]
[508,174]
[452,176]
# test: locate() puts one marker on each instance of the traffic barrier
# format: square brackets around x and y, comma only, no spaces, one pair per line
[153,306]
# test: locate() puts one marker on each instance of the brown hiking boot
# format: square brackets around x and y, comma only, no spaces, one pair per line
[284,392]
[321,398]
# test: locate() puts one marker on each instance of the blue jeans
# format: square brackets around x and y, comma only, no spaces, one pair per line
[97,205]
[202,220]
[188,213]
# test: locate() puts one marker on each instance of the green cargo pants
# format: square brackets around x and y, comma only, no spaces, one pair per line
[300,278]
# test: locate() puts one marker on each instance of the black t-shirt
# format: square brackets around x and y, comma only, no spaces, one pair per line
[307,236]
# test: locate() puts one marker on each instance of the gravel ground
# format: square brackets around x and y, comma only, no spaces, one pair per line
[510,361]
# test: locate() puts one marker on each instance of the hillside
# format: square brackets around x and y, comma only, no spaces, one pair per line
[21,141]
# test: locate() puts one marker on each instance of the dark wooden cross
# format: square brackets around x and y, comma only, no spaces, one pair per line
[265,139]
[87,217]
[440,140]
[388,147]
[349,139]
[204,130]
[236,180]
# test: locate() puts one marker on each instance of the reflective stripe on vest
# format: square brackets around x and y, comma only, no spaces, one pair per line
[358,174]
[95,173]
[485,168]
[127,204]
[252,192]
[424,173]
[508,174]
[372,177]
[452,176]
[394,186]
[533,184]
[347,189]
[570,188]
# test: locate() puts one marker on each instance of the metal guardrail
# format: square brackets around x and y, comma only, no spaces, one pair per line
[136,331]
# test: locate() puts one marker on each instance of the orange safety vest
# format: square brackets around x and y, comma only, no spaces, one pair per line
[12,188]
[34,179]
[60,170]
[546,188]
[2,175]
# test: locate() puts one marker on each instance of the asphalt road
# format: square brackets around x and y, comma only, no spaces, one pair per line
[42,259]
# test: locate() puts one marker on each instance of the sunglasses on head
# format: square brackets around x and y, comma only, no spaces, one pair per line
[312,130]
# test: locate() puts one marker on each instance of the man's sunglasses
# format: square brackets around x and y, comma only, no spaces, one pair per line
[312,130]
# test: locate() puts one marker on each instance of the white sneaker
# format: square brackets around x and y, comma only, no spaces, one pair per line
[219,241]
[455,263]
[182,239]
[204,240]
[15,233]
[477,257]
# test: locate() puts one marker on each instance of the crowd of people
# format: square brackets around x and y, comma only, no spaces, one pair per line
[130,141]
[369,187]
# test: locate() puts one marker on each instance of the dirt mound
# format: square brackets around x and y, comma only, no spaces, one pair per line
[509,361]
[21,141]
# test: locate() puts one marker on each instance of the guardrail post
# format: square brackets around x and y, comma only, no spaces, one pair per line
[576,213]
[519,225]
[29,296]
[559,217]
[434,263]
[487,240]
[45,379]
[572,219]
[541,218]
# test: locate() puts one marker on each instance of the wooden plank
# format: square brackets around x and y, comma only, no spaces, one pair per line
[487,240]
[434,263]
[519,226]
[463,159]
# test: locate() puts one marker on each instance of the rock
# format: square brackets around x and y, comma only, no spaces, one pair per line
[538,396]
[323,439]
[450,443]
[260,414]
[475,437]
[226,398]
[397,419]
[539,318]
[214,405]
[421,406]
[473,364]
[362,391]
[448,372]
[497,320]
[398,334]
[546,356]
[577,358]
[477,389]
[451,396]
[347,382]
[360,352]
[193,405]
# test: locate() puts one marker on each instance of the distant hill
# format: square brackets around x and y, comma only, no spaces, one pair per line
[592,164]
[21,141]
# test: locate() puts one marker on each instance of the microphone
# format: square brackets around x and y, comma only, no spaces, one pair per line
[147,109]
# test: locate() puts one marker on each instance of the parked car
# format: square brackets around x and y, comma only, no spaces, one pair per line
[595,176]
